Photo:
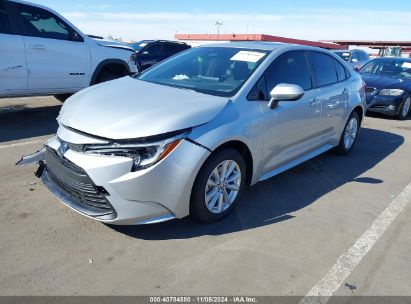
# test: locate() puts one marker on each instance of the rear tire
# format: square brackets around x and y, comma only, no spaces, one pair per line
[349,135]
[62,97]
[405,109]
[218,186]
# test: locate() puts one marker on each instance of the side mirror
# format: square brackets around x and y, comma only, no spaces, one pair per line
[285,92]
[356,69]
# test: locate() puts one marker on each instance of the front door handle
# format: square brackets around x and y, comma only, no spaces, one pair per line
[37,47]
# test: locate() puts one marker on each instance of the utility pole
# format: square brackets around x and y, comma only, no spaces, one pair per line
[218,24]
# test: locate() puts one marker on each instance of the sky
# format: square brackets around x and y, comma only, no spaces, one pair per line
[134,20]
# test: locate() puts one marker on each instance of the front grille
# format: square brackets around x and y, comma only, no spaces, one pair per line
[75,182]
[369,90]
[75,147]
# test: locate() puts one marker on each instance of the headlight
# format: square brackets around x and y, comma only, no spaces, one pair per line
[133,58]
[143,155]
[391,92]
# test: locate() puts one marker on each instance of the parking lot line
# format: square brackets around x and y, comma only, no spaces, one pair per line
[347,262]
[22,144]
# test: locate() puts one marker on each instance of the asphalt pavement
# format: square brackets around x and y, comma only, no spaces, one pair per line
[285,236]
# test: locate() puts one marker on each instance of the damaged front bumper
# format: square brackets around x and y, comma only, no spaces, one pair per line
[38,157]
[83,181]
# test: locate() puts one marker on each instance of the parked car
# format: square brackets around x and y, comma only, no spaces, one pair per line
[205,123]
[355,58]
[388,86]
[42,53]
[151,52]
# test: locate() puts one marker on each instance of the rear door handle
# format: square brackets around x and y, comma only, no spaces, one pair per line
[37,47]
[345,92]
[314,102]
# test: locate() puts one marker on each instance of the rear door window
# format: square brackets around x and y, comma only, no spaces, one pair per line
[171,49]
[292,68]
[153,50]
[323,66]
[5,27]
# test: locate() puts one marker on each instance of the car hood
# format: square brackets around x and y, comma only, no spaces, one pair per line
[113,44]
[128,108]
[384,82]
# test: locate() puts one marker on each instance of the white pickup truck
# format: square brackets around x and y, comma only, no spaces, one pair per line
[41,53]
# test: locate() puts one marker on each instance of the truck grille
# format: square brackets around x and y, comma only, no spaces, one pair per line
[74,181]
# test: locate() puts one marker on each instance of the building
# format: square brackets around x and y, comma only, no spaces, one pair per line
[201,39]
[385,48]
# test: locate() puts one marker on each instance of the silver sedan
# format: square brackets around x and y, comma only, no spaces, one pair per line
[186,136]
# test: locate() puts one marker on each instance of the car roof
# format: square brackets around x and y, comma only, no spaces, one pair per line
[32,4]
[263,46]
[393,58]
[167,41]
[349,51]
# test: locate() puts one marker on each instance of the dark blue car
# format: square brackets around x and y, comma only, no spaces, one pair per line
[150,52]
[388,86]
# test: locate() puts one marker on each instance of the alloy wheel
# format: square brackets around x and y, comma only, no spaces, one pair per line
[350,133]
[222,186]
[406,107]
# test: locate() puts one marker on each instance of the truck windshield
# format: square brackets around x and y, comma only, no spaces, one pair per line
[219,71]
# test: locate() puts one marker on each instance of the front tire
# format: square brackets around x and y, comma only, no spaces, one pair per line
[218,186]
[106,76]
[349,135]
[405,109]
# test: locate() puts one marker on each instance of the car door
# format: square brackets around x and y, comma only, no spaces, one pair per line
[13,67]
[333,93]
[57,57]
[150,55]
[292,128]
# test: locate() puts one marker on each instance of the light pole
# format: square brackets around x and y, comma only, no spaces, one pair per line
[218,24]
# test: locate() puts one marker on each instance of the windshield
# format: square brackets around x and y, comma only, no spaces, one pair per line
[396,68]
[219,71]
[344,55]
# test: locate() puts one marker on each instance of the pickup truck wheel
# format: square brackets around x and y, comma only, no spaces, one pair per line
[62,97]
